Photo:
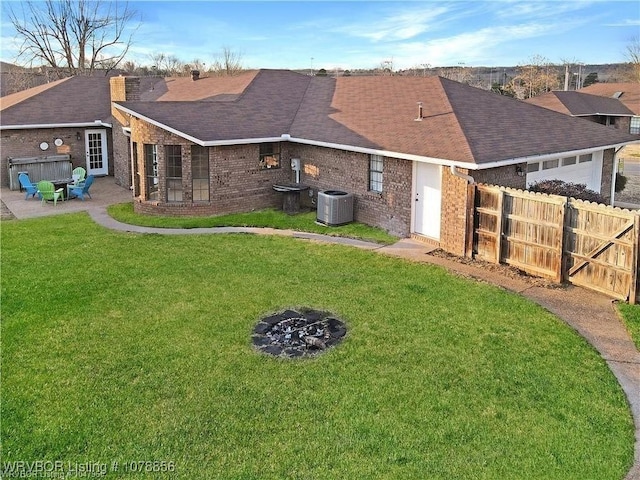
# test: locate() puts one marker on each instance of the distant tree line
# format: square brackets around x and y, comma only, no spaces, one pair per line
[93,37]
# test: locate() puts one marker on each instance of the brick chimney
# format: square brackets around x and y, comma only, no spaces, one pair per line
[123,89]
[195,75]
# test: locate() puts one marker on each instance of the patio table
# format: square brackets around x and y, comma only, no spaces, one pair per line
[62,183]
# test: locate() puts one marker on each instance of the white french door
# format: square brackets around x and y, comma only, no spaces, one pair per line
[95,142]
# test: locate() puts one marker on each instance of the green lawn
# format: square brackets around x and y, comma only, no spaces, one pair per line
[631,317]
[273,218]
[120,347]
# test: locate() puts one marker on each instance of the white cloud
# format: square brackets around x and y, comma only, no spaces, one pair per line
[471,47]
[625,23]
[400,25]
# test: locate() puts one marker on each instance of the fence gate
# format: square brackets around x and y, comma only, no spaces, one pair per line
[520,229]
[601,249]
[562,239]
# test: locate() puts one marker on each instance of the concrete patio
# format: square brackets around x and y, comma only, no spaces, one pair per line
[104,192]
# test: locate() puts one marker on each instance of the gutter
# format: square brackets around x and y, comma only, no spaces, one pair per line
[97,123]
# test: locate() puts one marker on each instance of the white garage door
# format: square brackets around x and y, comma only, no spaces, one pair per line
[585,169]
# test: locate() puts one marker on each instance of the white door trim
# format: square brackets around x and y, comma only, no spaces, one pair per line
[96,153]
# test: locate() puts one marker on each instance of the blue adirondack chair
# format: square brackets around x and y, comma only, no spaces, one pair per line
[29,187]
[80,190]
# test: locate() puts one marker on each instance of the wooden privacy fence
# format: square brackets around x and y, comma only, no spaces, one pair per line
[562,239]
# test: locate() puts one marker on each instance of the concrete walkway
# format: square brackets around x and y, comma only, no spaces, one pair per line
[592,315]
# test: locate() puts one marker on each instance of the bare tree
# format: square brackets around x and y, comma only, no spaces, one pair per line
[385,68]
[228,62]
[538,76]
[631,71]
[460,73]
[167,65]
[75,36]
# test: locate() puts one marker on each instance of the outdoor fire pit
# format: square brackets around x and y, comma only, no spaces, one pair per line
[298,333]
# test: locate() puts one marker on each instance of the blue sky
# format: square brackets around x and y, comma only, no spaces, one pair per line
[363,34]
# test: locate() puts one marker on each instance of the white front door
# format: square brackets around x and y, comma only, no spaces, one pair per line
[95,142]
[428,199]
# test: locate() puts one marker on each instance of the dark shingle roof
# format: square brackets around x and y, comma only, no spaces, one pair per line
[627,93]
[581,104]
[73,100]
[459,123]
[265,109]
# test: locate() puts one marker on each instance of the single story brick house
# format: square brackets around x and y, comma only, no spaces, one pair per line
[406,147]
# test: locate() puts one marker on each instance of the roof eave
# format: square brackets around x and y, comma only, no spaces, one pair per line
[96,123]
[382,152]
[549,156]
[602,114]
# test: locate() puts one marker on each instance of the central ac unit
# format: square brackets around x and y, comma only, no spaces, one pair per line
[335,207]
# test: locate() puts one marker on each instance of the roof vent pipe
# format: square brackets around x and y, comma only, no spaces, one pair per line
[419,118]
[195,75]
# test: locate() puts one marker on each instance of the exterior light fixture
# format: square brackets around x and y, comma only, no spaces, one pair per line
[78,137]
[519,171]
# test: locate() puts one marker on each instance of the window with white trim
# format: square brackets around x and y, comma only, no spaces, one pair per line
[634,127]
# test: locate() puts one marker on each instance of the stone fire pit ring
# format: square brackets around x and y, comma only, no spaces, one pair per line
[297,333]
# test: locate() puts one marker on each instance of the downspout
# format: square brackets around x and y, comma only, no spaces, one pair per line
[616,161]
[464,176]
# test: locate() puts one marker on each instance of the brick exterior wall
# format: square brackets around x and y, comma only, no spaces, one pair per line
[122,89]
[121,156]
[329,169]
[236,182]
[506,176]
[26,143]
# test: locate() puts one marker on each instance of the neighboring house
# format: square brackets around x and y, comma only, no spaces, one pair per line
[406,147]
[627,93]
[608,111]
